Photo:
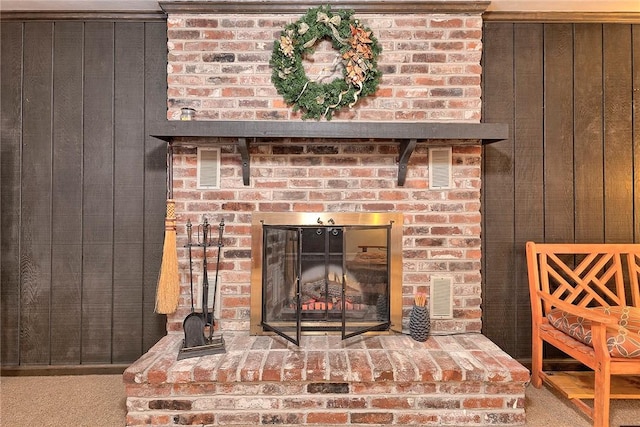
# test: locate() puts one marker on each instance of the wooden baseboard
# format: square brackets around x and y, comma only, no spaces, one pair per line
[43,370]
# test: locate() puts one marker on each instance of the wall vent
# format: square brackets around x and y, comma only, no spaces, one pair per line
[441,298]
[208,168]
[440,168]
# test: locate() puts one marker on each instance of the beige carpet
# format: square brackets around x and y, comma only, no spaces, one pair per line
[69,401]
[99,401]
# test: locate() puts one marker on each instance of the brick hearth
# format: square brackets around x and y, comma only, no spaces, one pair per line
[448,380]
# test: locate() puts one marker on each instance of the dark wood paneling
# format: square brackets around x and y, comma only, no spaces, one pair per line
[84,191]
[618,119]
[574,154]
[66,190]
[97,220]
[10,164]
[588,141]
[128,190]
[498,214]
[35,233]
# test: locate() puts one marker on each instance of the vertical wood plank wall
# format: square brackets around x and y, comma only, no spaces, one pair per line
[83,190]
[570,170]
[83,186]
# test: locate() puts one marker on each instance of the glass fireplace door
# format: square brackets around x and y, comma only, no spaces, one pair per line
[366,280]
[281,282]
[321,279]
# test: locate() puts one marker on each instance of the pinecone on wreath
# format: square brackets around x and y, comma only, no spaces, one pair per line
[419,320]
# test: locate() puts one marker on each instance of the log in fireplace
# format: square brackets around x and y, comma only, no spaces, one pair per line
[329,273]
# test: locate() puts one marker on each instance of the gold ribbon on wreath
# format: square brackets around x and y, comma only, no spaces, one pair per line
[331,23]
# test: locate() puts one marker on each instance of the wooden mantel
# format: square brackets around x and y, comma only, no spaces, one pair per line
[407,134]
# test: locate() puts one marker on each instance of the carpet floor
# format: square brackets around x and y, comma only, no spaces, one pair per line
[100,401]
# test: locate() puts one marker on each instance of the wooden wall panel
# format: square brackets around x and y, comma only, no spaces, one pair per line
[558,132]
[569,171]
[66,188]
[528,166]
[588,138]
[10,167]
[128,189]
[84,190]
[498,219]
[35,223]
[618,137]
[97,220]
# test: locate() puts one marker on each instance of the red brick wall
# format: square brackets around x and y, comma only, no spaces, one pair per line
[441,228]
[219,65]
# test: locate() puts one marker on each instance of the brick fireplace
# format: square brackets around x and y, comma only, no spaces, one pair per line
[219,66]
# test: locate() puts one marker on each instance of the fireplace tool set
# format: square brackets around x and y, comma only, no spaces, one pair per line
[196,343]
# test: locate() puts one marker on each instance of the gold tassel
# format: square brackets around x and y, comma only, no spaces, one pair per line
[168,292]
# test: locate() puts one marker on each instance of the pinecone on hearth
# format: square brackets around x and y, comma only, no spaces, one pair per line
[419,320]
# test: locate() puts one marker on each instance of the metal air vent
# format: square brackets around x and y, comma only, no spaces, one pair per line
[208,168]
[440,168]
[441,298]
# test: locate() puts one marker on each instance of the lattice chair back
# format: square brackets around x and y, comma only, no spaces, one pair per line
[633,258]
[586,275]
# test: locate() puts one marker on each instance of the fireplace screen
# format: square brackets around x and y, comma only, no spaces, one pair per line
[337,274]
[325,278]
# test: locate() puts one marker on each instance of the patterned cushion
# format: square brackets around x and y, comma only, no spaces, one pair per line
[623,340]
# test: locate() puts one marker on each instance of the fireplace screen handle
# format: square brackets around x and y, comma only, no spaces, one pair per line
[330,221]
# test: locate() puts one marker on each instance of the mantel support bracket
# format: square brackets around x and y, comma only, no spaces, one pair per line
[243,147]
[406,148]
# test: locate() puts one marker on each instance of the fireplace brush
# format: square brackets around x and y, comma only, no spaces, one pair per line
[168,290]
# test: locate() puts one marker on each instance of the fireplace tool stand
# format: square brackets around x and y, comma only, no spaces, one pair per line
[195,343]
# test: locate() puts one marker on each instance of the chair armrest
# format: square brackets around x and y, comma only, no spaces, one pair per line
[593,316]
[599,322]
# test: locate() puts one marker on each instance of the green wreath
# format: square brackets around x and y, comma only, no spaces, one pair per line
[358,49]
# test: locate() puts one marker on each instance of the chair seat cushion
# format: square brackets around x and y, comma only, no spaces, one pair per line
[623,340]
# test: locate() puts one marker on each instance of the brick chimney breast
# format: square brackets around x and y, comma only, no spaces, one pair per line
[218,64]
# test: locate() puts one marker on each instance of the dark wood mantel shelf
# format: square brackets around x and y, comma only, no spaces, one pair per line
[408,134]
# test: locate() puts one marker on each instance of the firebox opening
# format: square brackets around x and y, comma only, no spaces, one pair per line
[338,274]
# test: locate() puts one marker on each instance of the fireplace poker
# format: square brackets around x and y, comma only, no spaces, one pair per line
[215,283]
[205,275]
[189,244]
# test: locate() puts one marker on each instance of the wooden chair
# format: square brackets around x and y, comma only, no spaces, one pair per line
[580,305]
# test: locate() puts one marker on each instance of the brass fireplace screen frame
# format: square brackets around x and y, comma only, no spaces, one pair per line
[340,219]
